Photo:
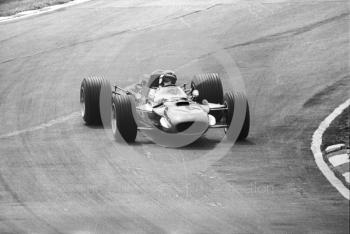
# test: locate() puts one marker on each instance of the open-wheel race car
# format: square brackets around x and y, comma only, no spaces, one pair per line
[169,114]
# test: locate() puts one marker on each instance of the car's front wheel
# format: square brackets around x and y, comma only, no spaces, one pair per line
[238,111]
[209,86]
[123,123]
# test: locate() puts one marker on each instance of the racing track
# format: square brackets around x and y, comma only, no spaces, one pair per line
[59,176]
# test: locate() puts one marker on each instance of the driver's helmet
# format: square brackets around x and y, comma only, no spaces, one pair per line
[167,78]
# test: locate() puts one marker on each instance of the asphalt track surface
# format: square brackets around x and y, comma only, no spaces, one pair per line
[59,176]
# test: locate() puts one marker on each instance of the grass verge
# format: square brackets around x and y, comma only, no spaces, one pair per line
[338,131]
[11,7]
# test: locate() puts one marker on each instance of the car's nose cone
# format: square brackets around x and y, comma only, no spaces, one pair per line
[188,124]
[186,114]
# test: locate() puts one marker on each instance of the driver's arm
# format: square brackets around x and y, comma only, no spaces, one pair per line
[151,95]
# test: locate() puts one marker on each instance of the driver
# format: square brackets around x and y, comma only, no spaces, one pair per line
[166,79]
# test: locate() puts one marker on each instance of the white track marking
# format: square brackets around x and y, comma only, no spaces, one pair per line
[41,126]
[29,13]
[339,159]
[347,176]
[333,148]
[316,149]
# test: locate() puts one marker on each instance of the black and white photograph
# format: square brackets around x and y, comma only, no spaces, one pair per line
[174,116]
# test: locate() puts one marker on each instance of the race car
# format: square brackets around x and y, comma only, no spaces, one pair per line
[169,114]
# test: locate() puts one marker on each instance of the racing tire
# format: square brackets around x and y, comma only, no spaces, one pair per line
[229,100]
[209,86]
[95,101]
[123,123]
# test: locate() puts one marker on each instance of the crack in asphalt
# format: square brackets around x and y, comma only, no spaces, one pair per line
[267,38]
[66,46]
[113,34]
[197,11]
[280,35]
[18,35]
[291,32]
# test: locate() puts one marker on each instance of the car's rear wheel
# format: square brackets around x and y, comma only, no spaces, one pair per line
[230,100]
[123,123]
[209,86]
[95,100]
